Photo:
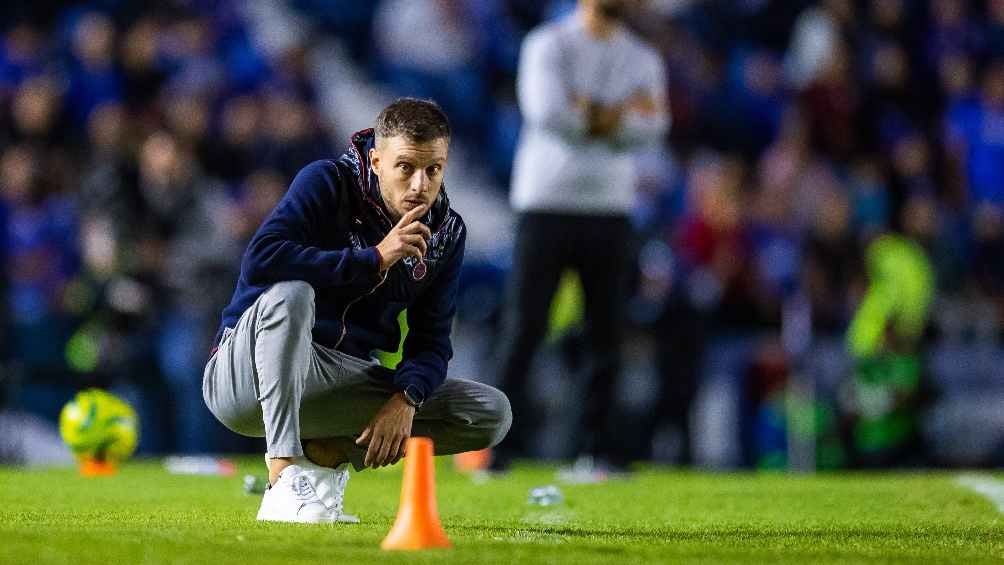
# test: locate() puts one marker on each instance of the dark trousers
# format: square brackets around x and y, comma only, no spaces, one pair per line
[597,247]
[682,332]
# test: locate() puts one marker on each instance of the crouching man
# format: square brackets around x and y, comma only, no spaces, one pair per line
[354,241]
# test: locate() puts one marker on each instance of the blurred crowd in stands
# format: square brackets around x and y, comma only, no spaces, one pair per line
[141,144]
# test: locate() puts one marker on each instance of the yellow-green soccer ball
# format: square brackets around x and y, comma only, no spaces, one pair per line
[99,425]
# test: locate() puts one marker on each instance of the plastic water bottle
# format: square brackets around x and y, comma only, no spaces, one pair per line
[545,496]
[254,484]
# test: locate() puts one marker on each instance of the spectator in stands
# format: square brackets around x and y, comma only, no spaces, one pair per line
[976,135]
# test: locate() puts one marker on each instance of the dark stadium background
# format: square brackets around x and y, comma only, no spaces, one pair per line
[141,143]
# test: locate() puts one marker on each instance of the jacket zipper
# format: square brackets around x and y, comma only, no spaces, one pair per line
[345,313]
[364,173]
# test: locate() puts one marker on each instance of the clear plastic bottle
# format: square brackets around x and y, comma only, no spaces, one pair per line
[545,496]
[254,484]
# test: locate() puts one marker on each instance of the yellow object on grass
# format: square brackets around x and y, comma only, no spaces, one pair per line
[98,425]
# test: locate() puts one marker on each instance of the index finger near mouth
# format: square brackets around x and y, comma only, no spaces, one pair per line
[412,215]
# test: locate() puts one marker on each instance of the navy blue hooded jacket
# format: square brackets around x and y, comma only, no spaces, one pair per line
[324,232]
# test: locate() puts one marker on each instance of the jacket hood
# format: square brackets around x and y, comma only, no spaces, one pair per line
[358,157]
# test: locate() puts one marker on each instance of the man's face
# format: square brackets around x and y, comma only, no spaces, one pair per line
[410,172]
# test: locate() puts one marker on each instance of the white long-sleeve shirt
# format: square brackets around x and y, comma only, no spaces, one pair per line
[558,168]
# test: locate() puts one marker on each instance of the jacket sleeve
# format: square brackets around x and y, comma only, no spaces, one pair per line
[427,348]
[283,247]
[648,128]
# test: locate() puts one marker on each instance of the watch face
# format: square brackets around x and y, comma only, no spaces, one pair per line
[412,398]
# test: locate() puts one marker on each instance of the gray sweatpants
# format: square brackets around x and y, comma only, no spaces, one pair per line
[268,378]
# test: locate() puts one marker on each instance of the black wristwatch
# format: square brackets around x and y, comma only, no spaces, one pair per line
[413,396]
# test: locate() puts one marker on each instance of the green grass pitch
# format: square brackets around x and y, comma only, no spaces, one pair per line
[145,515]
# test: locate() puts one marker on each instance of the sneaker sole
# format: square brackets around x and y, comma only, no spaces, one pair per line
[338,520]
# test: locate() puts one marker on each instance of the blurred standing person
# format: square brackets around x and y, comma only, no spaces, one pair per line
[883,400]
[975,131]
[712,266]
[92,74]
[39,236]
[815,41]
[590,92]
[189,213]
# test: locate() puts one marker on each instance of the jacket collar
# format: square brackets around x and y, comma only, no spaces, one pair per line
[369,185]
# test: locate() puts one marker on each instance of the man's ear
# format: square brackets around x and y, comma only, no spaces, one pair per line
[375,161]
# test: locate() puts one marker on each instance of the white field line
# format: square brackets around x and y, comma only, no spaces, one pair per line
[990,488]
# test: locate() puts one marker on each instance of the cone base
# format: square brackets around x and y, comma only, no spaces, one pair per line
[414,541]
[95,468]
[416,529]
[417,525]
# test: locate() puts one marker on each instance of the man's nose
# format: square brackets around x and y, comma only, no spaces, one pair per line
[419,182]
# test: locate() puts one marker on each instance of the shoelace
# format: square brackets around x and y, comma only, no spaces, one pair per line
[302,488]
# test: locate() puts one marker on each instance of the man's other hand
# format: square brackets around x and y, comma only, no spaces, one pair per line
[642,103]
[388,432]
[604,121]
[408,237]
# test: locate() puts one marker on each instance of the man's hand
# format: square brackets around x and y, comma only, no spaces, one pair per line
[388,432]
[408,237]
[642,103]
[601,120]
[604,121]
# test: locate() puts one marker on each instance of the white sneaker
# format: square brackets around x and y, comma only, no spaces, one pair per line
[307,493]
[330,487]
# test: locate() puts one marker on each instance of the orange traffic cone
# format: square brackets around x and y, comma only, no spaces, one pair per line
[417,525]
[97,467]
